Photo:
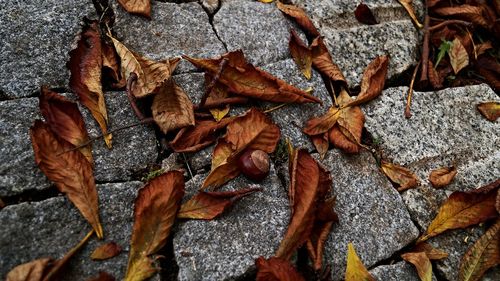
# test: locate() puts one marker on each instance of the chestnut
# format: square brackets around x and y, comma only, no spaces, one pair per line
[254,164]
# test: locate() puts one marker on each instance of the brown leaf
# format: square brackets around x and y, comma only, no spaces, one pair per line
[463,209]
[209,205]
[480,49]
[172,109]
[497,204]
[150,74]
[106,251]
[276,269]
[364,15]
[407,4]
[484,254]
[323,62]
[435,79]
[373,80]
[300,17]
[400,175]
[442,177]
[30,271]
[103,276]
[321,144]
[70,171]
[301,54]
[355,269]
[111,66]
[489,68]
[340,141]
[85,64]
[351,118]
[154,214]
[422,263]
[458,56]
[64,119]
[218,93]
[322,124]
[490,110]
[431,252]
[138,7]
[466,12]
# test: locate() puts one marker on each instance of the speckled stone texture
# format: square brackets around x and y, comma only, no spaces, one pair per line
[52,227]
[396,272]
[174,30]
[36,38]
[226,247]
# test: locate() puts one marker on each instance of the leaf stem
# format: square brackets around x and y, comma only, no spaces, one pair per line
[276,107]
[410,91]
[214,80]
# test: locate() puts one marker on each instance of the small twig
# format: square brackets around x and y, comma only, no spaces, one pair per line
[187,165]
[214,80]
[130,83]
[424,77]
[221,102]
[447,22]
[276,107]
[410,92]
[333,93]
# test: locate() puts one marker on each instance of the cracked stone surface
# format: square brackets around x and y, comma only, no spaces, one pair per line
[36,38]
[52,227]
[224,248]
[394,272]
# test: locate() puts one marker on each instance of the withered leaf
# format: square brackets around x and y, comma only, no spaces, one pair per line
[340,141]
[244,79]
[70,171]
[301,54]
[442,177]
[355,269]
[489,68]
[435,79]
[172,109]
[138,7]
[103,276]
[484,254]
[458,56]
[407,4]
[218,93]
[490,110]
[209,205]
[470,13]
[30,271]
[111,66]
[154,214]
[400,175]
[323,62]
[431,252]
[364,15]
[106,251]
[373,80]
[85,64]
[463,209]
[421,263]
[300,17]
[321,144]
[351,118]
[320,125]
[276,269]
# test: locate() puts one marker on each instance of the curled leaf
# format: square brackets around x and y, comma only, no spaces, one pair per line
[301,54]
[30,271]
[400,175]
[470,13]
[340,141]
[421,263]
[431,252]
[320,125]
[321,144]
[300,17]
[355,269]
[442,177]
[323,62]
[407,4]
[138,7]
[373,80]
[106,251]
[364,15]
[490,110]
[276,269]
[458,56]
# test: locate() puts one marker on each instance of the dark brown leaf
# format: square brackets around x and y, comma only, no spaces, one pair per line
[490,110]
[276,269]
[364,15]
[422,263]
[470,13]
[103,276]
[300,17]
[373,80]
[323,62]
[106,251]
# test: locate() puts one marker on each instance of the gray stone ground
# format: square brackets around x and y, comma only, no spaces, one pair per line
[445,129]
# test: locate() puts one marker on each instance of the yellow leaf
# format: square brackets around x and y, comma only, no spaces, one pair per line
[458,56]
[422,263]
[490,110]
[355,270]
[138,7]
[301,54]
[219,113]
[442,177]
[407,4]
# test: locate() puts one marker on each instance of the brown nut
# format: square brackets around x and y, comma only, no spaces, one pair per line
[254,164]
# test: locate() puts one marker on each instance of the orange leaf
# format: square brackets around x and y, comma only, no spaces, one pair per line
[300,17]
[373,80]
[323,62]
[65,120]
[463,209]
[490,110]
[442,177]
[138,7]
[70,171]
[407,4]
[484,254]
[244,79]
[301,54]
[30,271]
[339,140]
[422,263]
[400,175]
[106,251]
[431,252]
[364,15]
[355,269]
[103,276]
[85,64]
[458,56]
[172,109]
[320,125]
[351,118]
[276,269]
[321,144]
[209,205]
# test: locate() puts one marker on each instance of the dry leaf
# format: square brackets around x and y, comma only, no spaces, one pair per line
[266,1]
[64,119]
[351,118]
[340,141]
[138,7]
[85,64]
[172,109]
[355,270]
[321,144]
[431,252]
[301,54]
[463,209]
[407,4]
[497,204]
[400,175]
[489,68]
[442,177]
[364,15]
[70,171]
[458,56]
[322,124]
[209,205]
[111,71]
[106,251]
[490,110]
[300,17]
[373,80]
[422,263]
[484,254]
[435,79]
[323,62]
[482,48]
[244,79]
[466,12]
[276,269]
[103,276]
[154,214]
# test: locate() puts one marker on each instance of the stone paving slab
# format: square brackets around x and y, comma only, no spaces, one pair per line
[36,38]
[395,272]
[53,226]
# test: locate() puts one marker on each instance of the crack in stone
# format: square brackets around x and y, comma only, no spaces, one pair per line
[211,22]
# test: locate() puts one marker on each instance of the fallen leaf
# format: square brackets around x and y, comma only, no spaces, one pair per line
[30,271]
[322,124]
[463,209]
[85,64]
[489,68]
[301,54]
[431,252]
[490,110]
[106,251]
[321,144]
[497,204]
[373,80]
[340,141]
[407,4]
[244,79]
[266,1]
[355,270]
[442,177]
[300,17]
[470,13]
[421,263]
[209,205]
[323,62]
[400,175]
[138,7]
[70,171]
[458,56]
[276,269]
[364,15]
[482,48]
[351,118]
[111,69]
[103,276]
[484,254]
[154,214]
[435,79]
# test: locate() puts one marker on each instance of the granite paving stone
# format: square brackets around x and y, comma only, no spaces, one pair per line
[396,272]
